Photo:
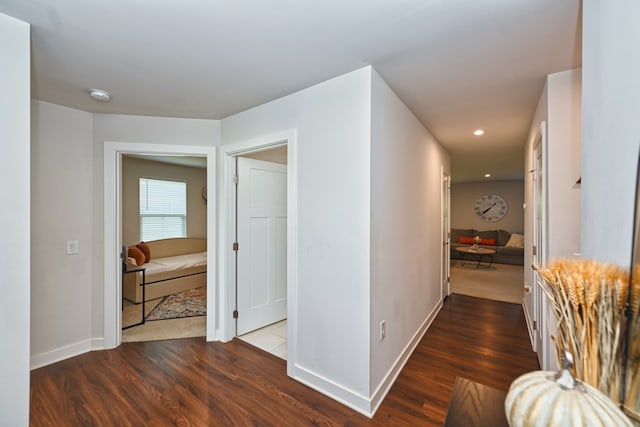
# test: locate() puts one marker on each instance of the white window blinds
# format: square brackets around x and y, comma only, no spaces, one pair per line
[163,209]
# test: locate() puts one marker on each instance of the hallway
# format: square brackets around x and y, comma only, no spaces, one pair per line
[192,382]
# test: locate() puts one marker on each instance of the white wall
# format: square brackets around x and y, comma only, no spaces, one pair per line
[560,107]
[463,201]
[134,168]
[563,161]
[406,246]
[610,127]
[331,349]
[14,192]
[67,191]
[62,210]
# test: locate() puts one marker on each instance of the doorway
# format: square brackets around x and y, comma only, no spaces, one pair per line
[113,152]
[261,237]
[164,204]
[228,227]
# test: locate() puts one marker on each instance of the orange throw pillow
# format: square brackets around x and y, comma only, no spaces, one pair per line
[136,254]
[488,242]
[466,240]
[145,250]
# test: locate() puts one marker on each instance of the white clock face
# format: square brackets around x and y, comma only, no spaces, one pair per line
[490,207]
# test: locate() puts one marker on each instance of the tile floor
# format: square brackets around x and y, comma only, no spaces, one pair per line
[272,339]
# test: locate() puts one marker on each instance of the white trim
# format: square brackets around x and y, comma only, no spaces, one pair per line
[347,397]
[97,344]
[385,385]
[65,352]
[226,221]
[61,353]
[113,225]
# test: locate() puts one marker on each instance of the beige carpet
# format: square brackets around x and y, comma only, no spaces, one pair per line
[501,282]
[159,329]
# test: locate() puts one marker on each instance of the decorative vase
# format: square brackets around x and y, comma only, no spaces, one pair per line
[544,398]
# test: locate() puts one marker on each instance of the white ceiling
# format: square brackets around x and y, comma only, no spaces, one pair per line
[457,64]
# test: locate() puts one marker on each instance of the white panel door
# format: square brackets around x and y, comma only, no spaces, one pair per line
[262,244]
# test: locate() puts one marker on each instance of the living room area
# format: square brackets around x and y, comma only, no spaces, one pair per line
[487,239]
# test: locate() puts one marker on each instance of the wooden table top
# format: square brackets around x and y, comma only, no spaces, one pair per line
[470,250]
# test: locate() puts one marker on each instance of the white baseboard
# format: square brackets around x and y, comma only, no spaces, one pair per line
[363,404]
[385,385]
[66,352]
[336,391]
[97,344]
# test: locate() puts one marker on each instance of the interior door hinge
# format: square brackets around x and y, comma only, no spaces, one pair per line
[235,178]
[535,325]
[235,314]
[235,247]
[535,250]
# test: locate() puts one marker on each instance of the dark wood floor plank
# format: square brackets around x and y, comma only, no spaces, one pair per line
[190,382]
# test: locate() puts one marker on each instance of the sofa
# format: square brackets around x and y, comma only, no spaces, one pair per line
[175,265]
[506,252]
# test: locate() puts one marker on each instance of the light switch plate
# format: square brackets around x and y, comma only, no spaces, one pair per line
[72,247]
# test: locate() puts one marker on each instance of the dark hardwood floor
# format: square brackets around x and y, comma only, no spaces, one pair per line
[190,382]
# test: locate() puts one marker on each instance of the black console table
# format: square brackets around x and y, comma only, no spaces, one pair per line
[475,405]
[126,269]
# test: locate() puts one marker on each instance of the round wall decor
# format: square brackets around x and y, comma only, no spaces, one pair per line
[490,207]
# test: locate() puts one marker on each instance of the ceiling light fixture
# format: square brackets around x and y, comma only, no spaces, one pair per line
[100,95]
[487,175]
[478,132]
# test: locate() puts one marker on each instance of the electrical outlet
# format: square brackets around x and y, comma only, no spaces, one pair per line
[383,329]
[72,247]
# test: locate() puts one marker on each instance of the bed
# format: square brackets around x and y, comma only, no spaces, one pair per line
[176,265]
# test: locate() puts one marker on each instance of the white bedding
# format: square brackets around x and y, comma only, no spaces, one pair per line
[162,265]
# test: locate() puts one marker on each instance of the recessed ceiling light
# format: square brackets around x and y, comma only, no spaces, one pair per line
[478,132]
[100,95]
[487,175]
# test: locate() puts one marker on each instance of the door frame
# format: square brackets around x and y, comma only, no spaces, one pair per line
[445,229]
[227,224]
[113,152]
[540,240]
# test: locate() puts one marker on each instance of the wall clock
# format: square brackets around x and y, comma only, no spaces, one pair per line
[490,207]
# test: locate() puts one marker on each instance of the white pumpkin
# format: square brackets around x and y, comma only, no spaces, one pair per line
[544,398]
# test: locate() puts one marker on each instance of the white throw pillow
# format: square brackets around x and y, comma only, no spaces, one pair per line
[515,241]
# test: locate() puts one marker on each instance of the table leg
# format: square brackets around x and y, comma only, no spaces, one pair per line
[144,287]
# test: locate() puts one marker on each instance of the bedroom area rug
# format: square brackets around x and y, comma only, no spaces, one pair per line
[500,282]
[180,315]
[189,303]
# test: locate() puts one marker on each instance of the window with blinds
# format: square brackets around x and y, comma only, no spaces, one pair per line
[163,209]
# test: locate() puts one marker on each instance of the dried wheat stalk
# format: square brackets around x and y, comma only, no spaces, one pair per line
[632,401]
[589,300]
